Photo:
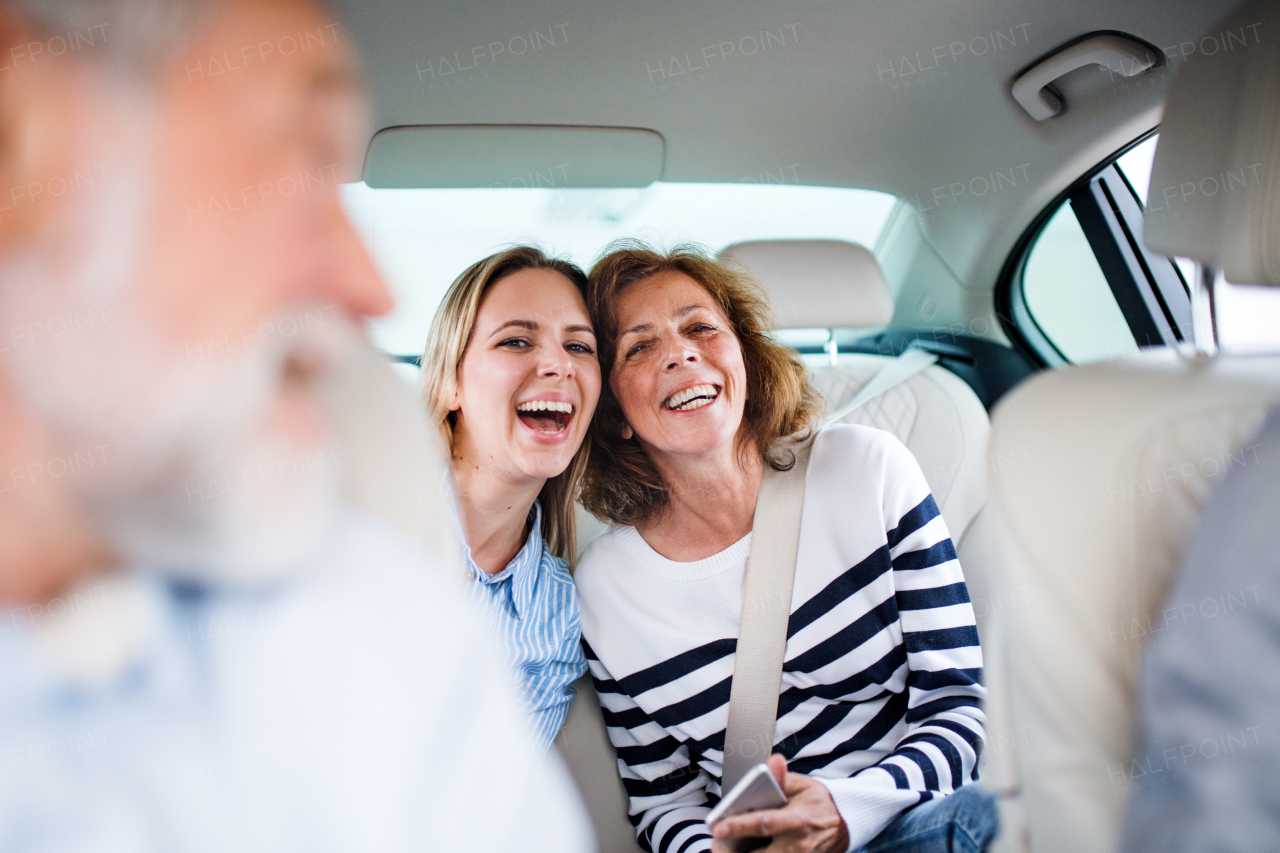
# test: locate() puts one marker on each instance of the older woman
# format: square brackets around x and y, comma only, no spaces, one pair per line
[510,376]
[880,709]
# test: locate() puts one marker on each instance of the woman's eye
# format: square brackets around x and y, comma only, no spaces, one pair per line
[516,343]
[580,348]
[636,350]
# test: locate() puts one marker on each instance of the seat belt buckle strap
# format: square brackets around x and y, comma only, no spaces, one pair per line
[766,612]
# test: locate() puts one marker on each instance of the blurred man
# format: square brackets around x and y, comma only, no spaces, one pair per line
[200,647]
[1210,687]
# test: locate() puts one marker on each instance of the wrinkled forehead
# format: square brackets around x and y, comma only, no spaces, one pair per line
[209,42]
[250,39]
[666,295]
[254,73]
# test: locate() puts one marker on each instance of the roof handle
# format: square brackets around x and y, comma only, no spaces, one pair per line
[1120,53]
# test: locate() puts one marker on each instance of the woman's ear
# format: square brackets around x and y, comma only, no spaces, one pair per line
[626,432]
[456,403]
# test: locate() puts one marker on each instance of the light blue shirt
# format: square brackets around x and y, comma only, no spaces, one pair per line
[357,706]
[532,609]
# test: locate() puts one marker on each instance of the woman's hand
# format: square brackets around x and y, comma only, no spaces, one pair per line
[809,823]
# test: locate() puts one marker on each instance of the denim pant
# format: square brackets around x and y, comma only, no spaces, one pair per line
[964,822]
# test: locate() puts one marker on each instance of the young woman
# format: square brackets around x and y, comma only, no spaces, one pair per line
[879,720]
[511,377]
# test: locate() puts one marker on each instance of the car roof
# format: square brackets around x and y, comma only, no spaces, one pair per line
[912,98]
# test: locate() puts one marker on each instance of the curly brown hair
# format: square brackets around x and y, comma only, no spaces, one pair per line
[621,484]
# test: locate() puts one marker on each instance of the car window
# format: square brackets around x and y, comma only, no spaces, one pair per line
[423,238]
[1248,317]
[1135,165]
[1076,305]
[1068,296]
[1085,288]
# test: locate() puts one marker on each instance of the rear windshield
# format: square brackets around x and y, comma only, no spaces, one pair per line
[424,238]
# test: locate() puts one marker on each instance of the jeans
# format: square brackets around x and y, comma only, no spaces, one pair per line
[963,822]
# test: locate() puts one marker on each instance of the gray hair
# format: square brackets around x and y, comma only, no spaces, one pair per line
[134,37]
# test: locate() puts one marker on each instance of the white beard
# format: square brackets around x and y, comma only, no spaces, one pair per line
[227,498]
[169,427]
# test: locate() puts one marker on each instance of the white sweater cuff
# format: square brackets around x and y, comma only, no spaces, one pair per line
[867,804]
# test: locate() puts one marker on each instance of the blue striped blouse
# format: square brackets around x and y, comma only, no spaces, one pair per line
[532,609]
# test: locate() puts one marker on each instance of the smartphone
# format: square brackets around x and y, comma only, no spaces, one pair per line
[756,791]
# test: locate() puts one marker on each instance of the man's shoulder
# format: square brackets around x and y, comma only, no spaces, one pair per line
[378,573]
[374,551]
[367,588]
[375,669]
[374,623]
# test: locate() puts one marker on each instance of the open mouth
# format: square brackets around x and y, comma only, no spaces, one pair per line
[545,415]
[692,398]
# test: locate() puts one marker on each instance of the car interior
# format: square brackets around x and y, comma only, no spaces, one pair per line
[1032,204]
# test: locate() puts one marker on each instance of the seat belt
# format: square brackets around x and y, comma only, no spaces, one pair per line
[893,374]
[767,586]
[766,610]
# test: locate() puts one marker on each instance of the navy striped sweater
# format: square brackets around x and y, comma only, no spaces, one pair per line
[882,681]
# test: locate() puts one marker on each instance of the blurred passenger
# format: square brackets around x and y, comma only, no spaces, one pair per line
[183,668]
[1210,686]
[511,377]
[880,719]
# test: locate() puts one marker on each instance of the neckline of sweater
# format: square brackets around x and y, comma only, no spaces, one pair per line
[684,572]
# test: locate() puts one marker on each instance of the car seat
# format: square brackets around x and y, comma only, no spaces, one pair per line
[1114,461]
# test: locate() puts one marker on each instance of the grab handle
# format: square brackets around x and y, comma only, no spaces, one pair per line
[1122,54]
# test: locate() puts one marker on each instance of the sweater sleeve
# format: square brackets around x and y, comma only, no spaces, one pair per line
[666,789]
[944,738]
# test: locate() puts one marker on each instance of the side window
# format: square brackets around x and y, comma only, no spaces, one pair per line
[1067,294]
[1084,287]
[1248,317]
[1135,165]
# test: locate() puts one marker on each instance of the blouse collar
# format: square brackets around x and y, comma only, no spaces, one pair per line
[522,571]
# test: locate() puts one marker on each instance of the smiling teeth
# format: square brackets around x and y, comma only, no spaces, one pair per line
[692,398]
[545,406]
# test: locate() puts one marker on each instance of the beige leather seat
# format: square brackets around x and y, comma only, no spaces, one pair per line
[836,284]
[583,742]
[822,284]
[394,467]
[392,462]
[1114,463]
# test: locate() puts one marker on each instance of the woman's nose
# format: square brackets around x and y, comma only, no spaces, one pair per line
[556,364]
[681,355]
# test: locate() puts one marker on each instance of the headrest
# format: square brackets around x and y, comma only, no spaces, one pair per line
[817,284]
[393,463]
[1215,184]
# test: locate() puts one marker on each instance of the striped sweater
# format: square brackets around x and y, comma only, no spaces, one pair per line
[882,680]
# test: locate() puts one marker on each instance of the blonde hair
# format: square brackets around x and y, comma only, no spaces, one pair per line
[621,483]
[451,331]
